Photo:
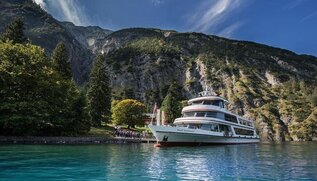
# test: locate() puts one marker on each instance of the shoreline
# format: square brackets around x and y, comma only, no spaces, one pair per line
[80,140]
[88,140]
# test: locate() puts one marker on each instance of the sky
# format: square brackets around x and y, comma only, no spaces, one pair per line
[288,24]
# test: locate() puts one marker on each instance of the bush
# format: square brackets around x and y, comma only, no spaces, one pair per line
[129,112]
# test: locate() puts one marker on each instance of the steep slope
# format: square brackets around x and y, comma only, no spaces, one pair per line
[88,36]
[275,87]
[43,30]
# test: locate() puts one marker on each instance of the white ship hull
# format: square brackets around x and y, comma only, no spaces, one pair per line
[182,136]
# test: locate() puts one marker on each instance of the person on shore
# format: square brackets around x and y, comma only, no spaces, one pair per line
[129,133]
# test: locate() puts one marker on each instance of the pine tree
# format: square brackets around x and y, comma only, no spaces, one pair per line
[99,93]
[34,98]
[171,103]
[60,58]
[14,32]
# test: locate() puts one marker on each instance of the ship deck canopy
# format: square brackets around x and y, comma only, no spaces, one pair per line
[207,98]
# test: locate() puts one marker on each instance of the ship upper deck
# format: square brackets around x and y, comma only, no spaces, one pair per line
[207,98]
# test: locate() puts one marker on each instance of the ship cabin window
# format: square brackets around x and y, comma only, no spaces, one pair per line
[221,104]
[231,118]
[188,114]
[194,126]
[208,102]
[200,114]
[191,126]
[218,103]
[209,127]
[197,102]
[214,127]
[223,128]
[211,114]
[245,122]
[245,132]
[205,127]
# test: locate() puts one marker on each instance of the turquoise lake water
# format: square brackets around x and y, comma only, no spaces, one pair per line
[291,161]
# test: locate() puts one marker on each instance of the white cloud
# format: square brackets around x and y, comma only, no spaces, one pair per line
[66,10]
[41,3]
[228,31]
[72,11]
[157,2]
[212,16]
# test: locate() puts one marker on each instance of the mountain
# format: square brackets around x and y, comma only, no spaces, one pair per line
[43,30]
[275,87]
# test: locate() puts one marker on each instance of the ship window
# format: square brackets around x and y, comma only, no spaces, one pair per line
[231,118]
[191,126]
[205,127]
[216,103]
[194,126]
[221,104]
[245,122]
[197,102]
[189,114]
[211,114]
[242,121]
[243,132]
[220,115]
[223,128]
[200,114]
[208,102]
[214,127]
[181,125]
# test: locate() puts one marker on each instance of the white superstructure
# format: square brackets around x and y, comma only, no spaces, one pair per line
[206,121]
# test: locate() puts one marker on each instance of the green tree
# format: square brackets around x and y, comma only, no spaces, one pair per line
[99,93]
[172,103]
[60,58]
[14,32]
[128,93]
[308,128]
[79,122]
[129,112]
[35,98]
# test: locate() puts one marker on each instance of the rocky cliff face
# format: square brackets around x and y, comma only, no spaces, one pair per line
[274,87]
[43,30]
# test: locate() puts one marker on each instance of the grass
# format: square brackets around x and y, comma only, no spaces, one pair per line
[106,130]
[138,129]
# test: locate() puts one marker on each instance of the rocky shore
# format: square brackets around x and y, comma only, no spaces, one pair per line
[69,140]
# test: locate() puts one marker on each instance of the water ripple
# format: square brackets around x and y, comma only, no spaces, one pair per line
[289,161]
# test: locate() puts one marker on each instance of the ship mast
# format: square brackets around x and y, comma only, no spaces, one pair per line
[206,92]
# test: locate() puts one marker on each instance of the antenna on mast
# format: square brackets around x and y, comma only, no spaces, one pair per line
[206,92]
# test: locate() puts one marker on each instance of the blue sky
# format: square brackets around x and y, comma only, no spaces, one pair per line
[289,24]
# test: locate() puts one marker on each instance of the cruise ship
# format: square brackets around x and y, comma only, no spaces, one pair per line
[206,121]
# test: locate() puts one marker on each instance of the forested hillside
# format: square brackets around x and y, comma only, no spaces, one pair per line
[275,87]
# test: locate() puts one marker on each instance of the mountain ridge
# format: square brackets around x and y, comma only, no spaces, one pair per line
[273,86]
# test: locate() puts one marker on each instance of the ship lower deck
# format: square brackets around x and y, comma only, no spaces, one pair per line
[173,136]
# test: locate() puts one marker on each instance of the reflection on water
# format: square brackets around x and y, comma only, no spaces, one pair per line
[291,161]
